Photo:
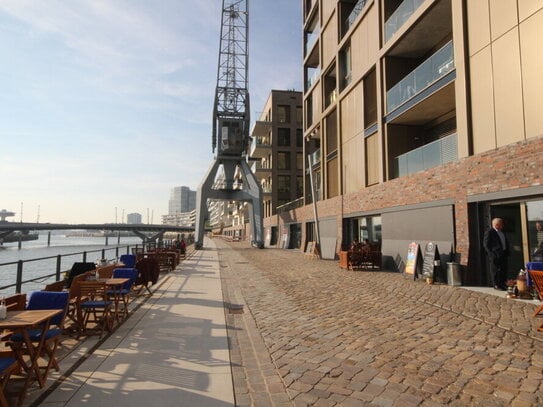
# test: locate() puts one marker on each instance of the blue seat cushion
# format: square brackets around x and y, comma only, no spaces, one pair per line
[35,335]
[5,363]
[95,304]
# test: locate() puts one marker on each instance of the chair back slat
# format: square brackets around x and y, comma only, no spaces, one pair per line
[56,286]
[16,302]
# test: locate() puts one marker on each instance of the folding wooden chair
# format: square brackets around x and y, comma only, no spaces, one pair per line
[16,302]
[537,280]
[94,301]
[73,311]
[56,286]
[7,366]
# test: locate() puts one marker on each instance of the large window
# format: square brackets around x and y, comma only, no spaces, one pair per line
[283,183]
[370,99]
[299,138]
[535,229]
[299,161]
[345,67]
[367,227]
[283,160]
[283,137]
[283,114]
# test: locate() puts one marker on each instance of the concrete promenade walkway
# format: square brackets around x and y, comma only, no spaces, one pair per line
[173,351]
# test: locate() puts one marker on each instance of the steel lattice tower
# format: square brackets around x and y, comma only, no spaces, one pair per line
[231,119]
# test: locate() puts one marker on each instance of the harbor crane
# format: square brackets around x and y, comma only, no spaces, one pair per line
[231,120]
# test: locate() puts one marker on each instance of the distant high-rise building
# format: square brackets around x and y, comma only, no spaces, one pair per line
[133,219]
[182,199]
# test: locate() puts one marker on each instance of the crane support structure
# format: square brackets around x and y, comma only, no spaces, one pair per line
[231,120]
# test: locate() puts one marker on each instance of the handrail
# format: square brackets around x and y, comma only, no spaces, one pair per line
[57,274]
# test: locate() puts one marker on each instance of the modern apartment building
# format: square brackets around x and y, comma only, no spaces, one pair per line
[276,158]
[422,118]
[182,199]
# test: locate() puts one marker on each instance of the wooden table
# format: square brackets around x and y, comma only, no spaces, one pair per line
[22,322]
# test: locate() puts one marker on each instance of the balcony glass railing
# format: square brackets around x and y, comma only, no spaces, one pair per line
[400,16]
[310,40]
[435,67]
[430,155]
[354,13]
[260,141]
[312,76]
[258,166]
[316,157]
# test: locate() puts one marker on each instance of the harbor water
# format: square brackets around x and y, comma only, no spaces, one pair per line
[60,244]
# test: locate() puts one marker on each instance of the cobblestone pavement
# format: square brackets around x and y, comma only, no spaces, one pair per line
[312,334]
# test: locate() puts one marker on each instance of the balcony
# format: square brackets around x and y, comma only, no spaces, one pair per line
[261,143]
[312,77]
[434,68]
[400,16]
[315,157]
[436,153]
[354,14]
[260,171]
[310,40]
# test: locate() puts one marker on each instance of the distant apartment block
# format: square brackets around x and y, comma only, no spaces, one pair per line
[422,121]
[182,199]
[133,219]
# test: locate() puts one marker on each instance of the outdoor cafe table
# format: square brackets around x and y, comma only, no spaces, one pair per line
[22,322]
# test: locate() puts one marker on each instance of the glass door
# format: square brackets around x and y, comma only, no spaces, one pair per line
[513,228]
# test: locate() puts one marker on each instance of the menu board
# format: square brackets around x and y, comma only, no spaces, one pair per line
[429,260]
[411,260]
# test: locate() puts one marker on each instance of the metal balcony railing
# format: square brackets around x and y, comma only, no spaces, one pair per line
[400,16]
[436,153]
[435,67]
[354,14]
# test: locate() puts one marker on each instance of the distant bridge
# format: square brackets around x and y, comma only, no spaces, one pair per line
[138,229]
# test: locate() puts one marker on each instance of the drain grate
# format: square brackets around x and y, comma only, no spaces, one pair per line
[235,308]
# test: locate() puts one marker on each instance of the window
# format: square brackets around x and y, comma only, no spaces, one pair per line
[283,160]
[331,132]
[299,138]
[299,115]
[283,114]
[370,99]
[299,161]
[299,186]
[283,183]
[283,137]
[330,89]
[345,67]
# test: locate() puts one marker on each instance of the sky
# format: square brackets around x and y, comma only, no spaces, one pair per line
[106,105]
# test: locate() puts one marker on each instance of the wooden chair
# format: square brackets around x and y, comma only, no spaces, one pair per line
[93,300]
[56,286]
[7,366]
[16,302]
[537,280]
[73,311]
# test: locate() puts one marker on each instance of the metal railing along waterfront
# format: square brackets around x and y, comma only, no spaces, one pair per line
[59,262]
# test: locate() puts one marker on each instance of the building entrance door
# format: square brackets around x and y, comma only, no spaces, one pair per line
[513,229]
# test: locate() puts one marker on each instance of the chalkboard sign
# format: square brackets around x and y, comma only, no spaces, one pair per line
[430,260]
[310,247]
[411,260]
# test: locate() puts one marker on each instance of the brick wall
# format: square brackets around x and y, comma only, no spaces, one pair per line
[515,166]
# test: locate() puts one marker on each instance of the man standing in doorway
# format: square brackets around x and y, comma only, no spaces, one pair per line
[497,249]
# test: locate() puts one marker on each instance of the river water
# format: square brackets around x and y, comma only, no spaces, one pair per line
[60,244]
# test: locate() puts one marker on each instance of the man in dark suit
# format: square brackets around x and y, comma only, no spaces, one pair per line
[497,249]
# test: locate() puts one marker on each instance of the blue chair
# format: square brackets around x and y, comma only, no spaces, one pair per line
[46,300]
[124,291]
[93,300]
[129,260]
[7,366]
